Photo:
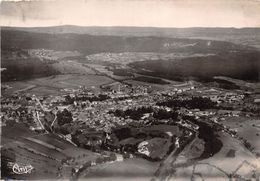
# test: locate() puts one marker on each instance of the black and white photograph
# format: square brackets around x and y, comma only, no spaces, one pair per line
[130,90]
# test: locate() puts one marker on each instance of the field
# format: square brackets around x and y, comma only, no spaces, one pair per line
[53,85]
[130,170]
[44,152]
[247,128]
[129,57]
[222,165]
[72,67]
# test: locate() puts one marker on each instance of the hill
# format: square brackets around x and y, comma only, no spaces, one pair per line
[244,66]
[244,36]
[227,59]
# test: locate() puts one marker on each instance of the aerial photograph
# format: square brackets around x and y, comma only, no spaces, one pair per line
[130,90]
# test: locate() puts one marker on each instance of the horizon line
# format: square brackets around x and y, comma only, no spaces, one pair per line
[122,26]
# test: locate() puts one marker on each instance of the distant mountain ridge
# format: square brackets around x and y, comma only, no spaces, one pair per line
[228,59]
[90,44]
[113,30]
[244,36]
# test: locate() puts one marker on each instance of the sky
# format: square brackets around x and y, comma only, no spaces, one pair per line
[144,13]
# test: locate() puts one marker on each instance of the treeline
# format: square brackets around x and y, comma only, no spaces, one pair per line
[21,69]
[163,114]
[135,114]
[208,134]
[122,72]
[151,80]
[240,65]
[100,97]
[193,103]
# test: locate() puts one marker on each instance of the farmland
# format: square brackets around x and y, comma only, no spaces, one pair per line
[130,169]
[45,152]
[248,129]
[54,84]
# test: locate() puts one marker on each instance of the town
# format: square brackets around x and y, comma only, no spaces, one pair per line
[77,111]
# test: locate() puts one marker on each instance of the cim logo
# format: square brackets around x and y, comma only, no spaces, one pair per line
[22,169]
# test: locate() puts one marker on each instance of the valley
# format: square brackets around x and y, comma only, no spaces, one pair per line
[96,106]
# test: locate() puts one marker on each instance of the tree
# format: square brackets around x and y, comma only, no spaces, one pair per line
[64,117]
[163,114]
[68,99]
